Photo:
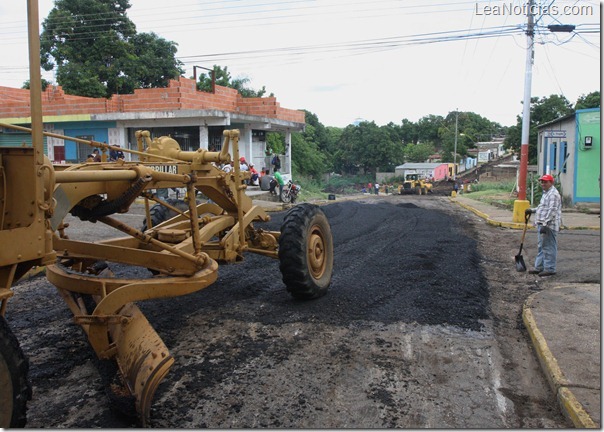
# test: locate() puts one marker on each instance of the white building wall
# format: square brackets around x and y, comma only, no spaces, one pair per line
[544,164]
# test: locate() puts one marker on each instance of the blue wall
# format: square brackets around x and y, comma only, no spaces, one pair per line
[96,131]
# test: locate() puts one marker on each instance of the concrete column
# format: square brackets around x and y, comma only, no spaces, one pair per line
[245,143]
[288,153]
[204,135]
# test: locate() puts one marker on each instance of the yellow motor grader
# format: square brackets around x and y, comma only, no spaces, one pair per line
[182,253]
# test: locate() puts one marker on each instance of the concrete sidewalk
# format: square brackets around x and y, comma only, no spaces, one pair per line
[564,326]
[502,217]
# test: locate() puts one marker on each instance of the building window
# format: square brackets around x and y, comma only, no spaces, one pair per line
[258,135]
[564,153]
[83,150]
[215,138]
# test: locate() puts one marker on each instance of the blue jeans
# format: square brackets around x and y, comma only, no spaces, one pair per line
[547,249]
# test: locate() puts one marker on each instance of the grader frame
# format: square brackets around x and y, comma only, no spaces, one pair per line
[182,253]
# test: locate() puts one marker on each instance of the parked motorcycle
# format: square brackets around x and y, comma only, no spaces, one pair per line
[290,192]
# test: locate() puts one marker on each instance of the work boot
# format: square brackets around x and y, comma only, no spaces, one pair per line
[535,271]
[546,273]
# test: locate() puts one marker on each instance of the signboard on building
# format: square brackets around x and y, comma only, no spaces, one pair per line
[554,134]
[484,156]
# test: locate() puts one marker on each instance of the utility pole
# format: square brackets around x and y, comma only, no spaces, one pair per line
[521,204]
[455,146]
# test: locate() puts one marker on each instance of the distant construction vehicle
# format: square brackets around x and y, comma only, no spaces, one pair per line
[415,184]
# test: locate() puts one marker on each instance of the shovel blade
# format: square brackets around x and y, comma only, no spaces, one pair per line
[142,358]
[520,265]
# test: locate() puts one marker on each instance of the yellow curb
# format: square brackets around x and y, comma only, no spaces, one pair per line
[558,382]
[574,409]
[583,228]
[487,218]
[548,361]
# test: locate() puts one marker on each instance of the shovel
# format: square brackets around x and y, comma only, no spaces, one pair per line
[520,265]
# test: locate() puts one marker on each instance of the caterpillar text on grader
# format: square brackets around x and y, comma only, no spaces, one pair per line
[182,253]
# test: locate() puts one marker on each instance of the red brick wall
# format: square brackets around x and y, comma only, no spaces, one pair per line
[180,94]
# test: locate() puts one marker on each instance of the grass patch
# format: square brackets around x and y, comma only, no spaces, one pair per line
[311,189]
[495,194]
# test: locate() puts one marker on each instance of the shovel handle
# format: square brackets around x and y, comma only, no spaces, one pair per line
[526,220]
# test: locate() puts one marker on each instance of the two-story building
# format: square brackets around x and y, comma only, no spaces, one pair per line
[196,119]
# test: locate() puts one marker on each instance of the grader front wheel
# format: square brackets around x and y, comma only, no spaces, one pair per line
[14,386]
[306,252]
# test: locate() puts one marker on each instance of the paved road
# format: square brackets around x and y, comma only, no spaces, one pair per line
[414,332]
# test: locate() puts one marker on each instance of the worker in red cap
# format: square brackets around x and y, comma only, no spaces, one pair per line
[548,218]
[243,164]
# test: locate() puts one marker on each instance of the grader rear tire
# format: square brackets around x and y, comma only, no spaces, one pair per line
[15,390]
[306,252]
[160,213]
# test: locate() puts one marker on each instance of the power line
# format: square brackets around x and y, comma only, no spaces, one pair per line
[178,21]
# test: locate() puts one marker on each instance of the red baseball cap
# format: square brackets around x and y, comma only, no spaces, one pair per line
[546,177]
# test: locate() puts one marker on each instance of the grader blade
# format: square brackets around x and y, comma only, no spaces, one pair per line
[142,357]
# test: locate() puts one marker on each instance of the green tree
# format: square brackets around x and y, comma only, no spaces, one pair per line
[418,152]
[45,83]
[471,128]
[97,52]
[223,78]
[153,64]
[307,159]
[331,146]
[275,143]
[428,129]
[591,100]
[543,110]
[368,147]
[408,132]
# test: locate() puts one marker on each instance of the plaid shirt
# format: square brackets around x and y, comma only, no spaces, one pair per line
[549,211]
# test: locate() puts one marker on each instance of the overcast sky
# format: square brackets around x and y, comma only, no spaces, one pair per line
[378,60]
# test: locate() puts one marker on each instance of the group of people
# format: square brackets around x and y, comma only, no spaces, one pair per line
[114,155]
[270,183]
[262,178]
[244,166]
[375,188]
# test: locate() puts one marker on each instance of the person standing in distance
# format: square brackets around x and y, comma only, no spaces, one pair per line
[548,218]
[279,180]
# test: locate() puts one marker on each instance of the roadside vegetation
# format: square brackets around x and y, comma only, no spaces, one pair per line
[496,194]
[502,194]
